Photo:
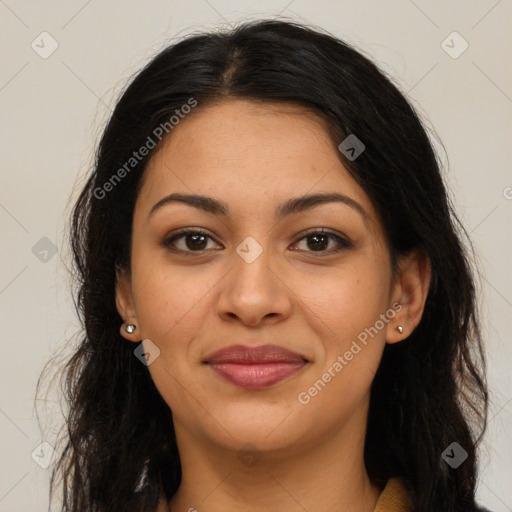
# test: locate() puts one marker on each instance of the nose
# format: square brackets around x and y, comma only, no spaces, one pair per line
[254,292]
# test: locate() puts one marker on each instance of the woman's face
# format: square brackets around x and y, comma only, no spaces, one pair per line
[259,276]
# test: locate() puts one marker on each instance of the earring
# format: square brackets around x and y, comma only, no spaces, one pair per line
[130,328]
[400,329]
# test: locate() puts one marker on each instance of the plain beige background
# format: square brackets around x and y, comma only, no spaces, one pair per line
[54,107]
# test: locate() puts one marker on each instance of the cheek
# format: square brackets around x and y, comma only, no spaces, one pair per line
[346,300]
[352,307]
[343,312]
[169,301]
[171,306]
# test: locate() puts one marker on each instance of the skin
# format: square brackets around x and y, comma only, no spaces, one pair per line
[254,156]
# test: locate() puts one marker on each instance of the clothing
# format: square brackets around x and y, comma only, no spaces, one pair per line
[394,497]
[163,506]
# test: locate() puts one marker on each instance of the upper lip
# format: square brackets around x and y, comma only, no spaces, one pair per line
[262,354]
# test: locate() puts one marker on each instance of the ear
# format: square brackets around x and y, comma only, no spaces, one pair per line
[125,305]
[410,290]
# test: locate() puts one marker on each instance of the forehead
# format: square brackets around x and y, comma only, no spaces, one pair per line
[250,153]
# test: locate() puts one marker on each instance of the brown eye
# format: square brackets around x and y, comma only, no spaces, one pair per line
[188,241]
[318,241]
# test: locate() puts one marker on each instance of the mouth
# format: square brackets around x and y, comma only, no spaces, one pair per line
[255,367]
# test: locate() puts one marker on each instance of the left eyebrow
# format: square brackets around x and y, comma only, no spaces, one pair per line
[290,207]
[303,203]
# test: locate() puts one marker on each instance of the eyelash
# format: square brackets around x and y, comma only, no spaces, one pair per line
[345,244]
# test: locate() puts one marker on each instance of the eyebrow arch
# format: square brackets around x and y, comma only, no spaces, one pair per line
[290,207]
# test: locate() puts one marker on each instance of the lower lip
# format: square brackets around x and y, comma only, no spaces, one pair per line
[256,376]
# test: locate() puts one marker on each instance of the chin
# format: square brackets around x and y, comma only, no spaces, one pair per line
[267,426]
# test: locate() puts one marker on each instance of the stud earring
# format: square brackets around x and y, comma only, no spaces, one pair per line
[400,329]
[130,328]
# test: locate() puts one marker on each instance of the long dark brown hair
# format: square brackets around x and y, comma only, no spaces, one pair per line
[430,389]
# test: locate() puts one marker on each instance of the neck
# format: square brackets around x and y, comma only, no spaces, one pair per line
[329,476]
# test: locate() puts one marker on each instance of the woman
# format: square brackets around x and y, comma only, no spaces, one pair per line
[279,310]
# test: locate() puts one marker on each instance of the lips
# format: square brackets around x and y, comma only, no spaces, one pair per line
[255,367]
